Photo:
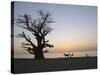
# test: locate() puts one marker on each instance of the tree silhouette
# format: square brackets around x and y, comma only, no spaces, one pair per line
[39,28]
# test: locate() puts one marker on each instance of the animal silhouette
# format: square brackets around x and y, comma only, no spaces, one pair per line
[67,55]
[71,55]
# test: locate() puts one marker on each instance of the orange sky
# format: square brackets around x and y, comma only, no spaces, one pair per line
[75,26]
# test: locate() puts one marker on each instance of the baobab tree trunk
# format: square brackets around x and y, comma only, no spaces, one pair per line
[39,50]
[38,54]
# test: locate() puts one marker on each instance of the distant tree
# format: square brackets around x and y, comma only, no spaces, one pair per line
[39,28]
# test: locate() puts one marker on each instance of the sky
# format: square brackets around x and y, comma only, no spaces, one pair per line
[75,29]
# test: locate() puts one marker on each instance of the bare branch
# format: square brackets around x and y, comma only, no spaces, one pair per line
[30,50]
[28,40]
[39,27]
[20,36]
[48,45]
[25,44]
[46,51]
[26,21]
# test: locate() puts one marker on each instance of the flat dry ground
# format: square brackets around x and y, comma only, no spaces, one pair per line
[31,65]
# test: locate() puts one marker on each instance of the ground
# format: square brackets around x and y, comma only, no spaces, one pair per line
[59,64]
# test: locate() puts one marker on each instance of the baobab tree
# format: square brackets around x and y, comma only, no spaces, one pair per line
[39,28]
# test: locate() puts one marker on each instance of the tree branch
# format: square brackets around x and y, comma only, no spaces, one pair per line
[26,20]
[46,51]
[30,50]
[28,40]
[39,27]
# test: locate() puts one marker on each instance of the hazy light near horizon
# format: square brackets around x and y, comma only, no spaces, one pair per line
[75,27]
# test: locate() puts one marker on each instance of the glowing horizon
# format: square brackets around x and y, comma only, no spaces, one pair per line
[75,28]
